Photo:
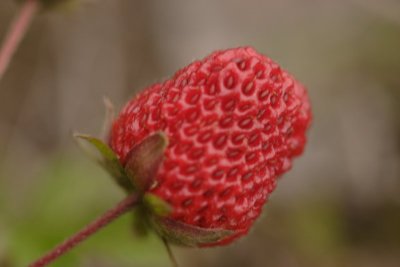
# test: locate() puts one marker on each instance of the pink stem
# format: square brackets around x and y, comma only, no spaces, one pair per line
[121,208]
[16,32]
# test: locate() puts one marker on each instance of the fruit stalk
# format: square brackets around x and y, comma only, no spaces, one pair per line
[114,213]
[16,32]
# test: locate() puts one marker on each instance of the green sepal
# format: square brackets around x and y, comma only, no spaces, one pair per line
[150,205]
[187,235]
[108,118]
[140,225]
[156,205]
[144,160]
[108,160]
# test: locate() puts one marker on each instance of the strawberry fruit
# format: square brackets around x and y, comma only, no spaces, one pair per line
[234,121]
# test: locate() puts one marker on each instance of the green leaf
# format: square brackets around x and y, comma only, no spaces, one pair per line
[144,160]
[188,235]
[156,205]
[108,159]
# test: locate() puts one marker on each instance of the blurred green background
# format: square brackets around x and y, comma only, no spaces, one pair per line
[339,206]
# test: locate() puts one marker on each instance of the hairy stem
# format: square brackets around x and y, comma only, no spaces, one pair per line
[16,32]
[121,208]
[170,254]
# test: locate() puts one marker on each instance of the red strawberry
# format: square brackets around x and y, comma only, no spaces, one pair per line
[234,121]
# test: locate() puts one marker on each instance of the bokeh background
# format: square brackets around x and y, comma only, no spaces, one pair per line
[339,206]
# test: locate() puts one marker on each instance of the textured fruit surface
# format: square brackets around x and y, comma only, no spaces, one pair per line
[234,121]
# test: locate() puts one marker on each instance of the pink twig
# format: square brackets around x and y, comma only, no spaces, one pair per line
[121,208]
[16,32]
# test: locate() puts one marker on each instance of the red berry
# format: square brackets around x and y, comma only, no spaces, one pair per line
[234,121]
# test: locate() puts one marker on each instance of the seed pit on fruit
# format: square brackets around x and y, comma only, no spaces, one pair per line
[277,141]
[162,124]
[286,97]
[274,99]
[289,132]
[280,119]
[259,70]
[260,114]
[251,157]
[246,123]
[210,103]
[184,82]
[203,209]
[234,153]
[271,186]
[201,222]
[265,145]
[173,95]
[209,193]
[209,120]
[229,104]
[211,160]
[218,174]
[187,202]
[155,99]
[230,80]
[220,140]
[212,87]
[245,105]
[196,153]
[233,172]
[248,176]
[143,118]
[193,97]
[242,65]
[177,185]
[172,111]
[237,138]
[254,139]
[200,78]
[134,108]
[190,169]
[222,219]
[191,130]
[205,136]
[216,67]
[226,121]
[269,153]
[183,147]
[197,183]
[275,74]
[170,164]
[248,87]
[267,127]
[263,95]
[192,114]
[225,193]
